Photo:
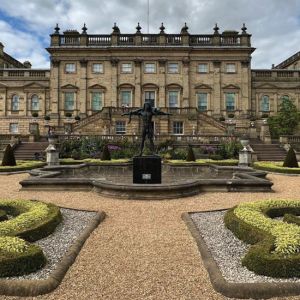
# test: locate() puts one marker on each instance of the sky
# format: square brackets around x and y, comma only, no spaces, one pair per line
[25,25]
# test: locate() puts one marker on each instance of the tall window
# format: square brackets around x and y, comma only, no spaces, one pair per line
[126,98]
[69,100]
[230,101]
[177,127]
[265,103]
[230,68]
[202,68]
[202,101]
[70,68]
[13,127]
[173,98]
[120,127]
[35,103]
[126,68]
[15,104]
[97,68]
[149,67]
[150,97]
[173,68]
[97,101]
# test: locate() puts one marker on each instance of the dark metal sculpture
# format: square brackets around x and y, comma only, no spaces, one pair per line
[147,112]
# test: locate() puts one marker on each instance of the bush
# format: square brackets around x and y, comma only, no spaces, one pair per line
[77,118]
[222,119]
[22,165]
[290,160]
[230,115]
[190,154]
[32,221]
[229,149]
[35,114]
[47,118]
[105,153]
[9,157]
[276,246]
[273,166]
[68,114]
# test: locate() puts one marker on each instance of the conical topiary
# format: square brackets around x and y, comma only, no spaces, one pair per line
[105,153]
[190,155]
[9,157]
[291,159]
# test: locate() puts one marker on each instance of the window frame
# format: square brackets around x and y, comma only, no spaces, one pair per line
[101,100]
[227,71]
[131,96]
[31,103]
[226,106]
[197,101]
[262,103]
[169,69]
[126,71]
[101,69]
[178,98]
[11,126]
[202,72]
[72,71]
[174,128]
[17,108]
[120,123]
[74,99]
[149,63]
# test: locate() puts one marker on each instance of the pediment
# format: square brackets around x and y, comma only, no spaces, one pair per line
[203,86]
[150,86]
[266,86]
[97,87]
[34,85]
[231,87]
[174,85]
[126,86]
[69,87]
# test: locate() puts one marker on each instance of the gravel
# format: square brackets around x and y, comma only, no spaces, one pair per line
[227,250]
[57,244]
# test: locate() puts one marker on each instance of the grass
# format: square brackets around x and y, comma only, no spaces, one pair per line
[274,166]
[22,165]
[225,162]
[71,161]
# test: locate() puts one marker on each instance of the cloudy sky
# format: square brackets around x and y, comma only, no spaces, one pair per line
[274,24]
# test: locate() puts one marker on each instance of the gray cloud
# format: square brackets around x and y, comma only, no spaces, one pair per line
[274,24]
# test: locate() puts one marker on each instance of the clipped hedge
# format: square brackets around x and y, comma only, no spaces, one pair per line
[225,162]
[276,244]
[275,167]
[32,220]
[22,165]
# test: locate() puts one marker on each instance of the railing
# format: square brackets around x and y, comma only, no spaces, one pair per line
[25,73]
[37,74]
[127,39]
[149,39]
[174,39]
[69,40]
[230,40]
[200,40]
[16,73]
[275,73]
[99,40]
[290,139]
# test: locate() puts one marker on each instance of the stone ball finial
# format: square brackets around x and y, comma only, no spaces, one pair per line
[162,28]
[244,29]
[216,29]
[56,29]
[84,29]
[138,28]
[116,28]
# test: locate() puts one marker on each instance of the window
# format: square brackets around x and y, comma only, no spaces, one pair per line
[149,67]
[126,68]
[230,68]
[120,127]
[70,68]
[230,101]
[202,68]
[126,98]
[13,127]
[33,128]
[97,68]
[15,103]
[202,101]
[150,97]
[265,103]
[178,127]
[173,68]
[97,101]
[69,100]
[35,103]
[173,98]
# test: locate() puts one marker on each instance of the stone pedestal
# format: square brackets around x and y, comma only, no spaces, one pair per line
[52,157]
[244,158]
[252,133]
[147,169]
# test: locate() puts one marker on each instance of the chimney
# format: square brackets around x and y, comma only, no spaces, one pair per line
[27,64]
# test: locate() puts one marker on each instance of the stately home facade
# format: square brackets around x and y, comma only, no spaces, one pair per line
[205,81]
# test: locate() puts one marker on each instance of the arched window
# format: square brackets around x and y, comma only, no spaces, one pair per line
[265,103]
[35,103]
[15,103]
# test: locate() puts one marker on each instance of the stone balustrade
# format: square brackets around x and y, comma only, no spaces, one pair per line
[34,73]
[272,74]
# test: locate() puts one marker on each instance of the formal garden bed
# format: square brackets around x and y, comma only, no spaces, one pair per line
[224,162]
[276,167]
[71,161]
[22,165]
[38,243]
[268,268]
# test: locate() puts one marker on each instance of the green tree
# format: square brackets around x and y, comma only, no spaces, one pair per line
[285,122]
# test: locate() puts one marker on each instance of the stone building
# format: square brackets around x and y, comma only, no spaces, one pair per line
[201,79]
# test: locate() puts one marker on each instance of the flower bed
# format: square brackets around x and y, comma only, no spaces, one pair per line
[225,162]
[71,161]
[273,166]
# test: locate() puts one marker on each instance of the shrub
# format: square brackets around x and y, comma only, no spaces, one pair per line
[190,154]
[222,119]
[230,115]
[68,114]
[32,221]
[35,114]
[77,118]
[273,166]
[265,116]
[47,118]
[9,157]
[290,160]
[105,153]
[276,244]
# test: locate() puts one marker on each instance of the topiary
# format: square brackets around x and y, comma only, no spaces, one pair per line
[105,153]
[190,155]
[9,157]
[290,160]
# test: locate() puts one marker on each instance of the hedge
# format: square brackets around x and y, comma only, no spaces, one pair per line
[71,161]
[224,162]
[275,167]
[32,220]
[276,244]
[22,165]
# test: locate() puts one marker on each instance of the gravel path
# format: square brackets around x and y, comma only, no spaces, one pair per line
[143,249]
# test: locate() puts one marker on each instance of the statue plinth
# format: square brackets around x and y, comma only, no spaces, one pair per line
[147,169]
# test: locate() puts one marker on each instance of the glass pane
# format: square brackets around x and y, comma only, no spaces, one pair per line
[97,68]
[230,101]
[15,102]
[35,103]
[126,98]
[265,103]
[120,127]
[202,101]
[173,99]
[202,68]
[173,68]
[150,97]
[177,127]
[96,101]
[69,101]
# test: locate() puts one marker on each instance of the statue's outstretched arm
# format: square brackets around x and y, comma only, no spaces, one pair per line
[159,112]
[134,112]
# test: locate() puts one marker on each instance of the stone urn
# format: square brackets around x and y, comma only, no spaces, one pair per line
[244,142]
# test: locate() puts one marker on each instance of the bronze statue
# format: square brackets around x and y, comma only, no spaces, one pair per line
[147,131]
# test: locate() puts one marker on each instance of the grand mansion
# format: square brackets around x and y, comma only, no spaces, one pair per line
[204,80]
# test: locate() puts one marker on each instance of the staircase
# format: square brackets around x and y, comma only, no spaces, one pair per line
[267,152]
[26,151]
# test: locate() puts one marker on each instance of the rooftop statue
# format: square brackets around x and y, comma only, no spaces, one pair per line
[146,113]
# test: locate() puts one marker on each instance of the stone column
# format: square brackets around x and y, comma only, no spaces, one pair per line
[82,94]
[114,81]
[217,95]
[137,101]
[54,88]
[186,83]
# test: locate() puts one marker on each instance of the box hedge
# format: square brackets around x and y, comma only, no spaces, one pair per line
[32,220]
[276,244]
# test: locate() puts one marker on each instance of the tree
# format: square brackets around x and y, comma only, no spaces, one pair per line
[9,157]
[285,122]
[291,159]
